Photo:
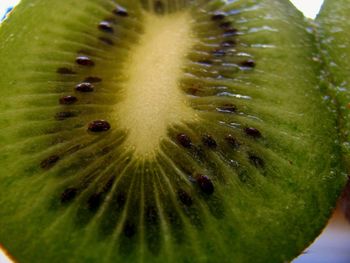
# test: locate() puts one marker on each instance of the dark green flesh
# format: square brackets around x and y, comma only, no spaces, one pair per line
[69,195]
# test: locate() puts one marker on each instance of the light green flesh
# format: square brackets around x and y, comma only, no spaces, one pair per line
[334,26]
[257,213]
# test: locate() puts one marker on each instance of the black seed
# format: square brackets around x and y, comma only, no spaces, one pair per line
[105,26]
[67,100]
[228,43]
[185,198]
[159,7]
[217,16]
[99,126]
[106,41]
[257,161]
[225,25]
[68,195]
[49,162]
[84,61]
[255,133]
[60,116]
[65,71]
[120,11]
[129,229]
[184,140]
[85,87]
[205,184]
[209,141]
[205,62]
[232,141]
[219,53]
[227,108]
[230,32]
[94,201]
[93,79]
[248,63]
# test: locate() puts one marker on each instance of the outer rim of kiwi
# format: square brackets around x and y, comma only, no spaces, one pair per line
[331,26]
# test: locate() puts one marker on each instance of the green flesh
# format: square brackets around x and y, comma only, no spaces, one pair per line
[272,194]
[334,24]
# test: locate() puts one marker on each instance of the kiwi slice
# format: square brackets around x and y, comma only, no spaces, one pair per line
[335,46]
[333,25]
[162,131]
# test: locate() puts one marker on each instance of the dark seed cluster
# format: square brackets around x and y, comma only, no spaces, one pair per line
[184,140]
[215,65]
[185,198]
[227,108]
[205,184]
[94,201]
[218,16]
[225,25]
[209,141]
[99,126]
[159,7]
[256,161]
[120,11]
[68,100]
[68,195]
[248,63]
[202,179]
[84,61]
[252,132]
[232,141]
[86,86]
[228,43]
[106,26]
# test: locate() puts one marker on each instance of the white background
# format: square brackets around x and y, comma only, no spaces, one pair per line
[309,7]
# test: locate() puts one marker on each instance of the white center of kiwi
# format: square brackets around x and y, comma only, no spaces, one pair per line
[153,99]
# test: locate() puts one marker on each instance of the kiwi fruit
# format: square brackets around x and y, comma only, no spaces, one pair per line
[163,131]
[333,25]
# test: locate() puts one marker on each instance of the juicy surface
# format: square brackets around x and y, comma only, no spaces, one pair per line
[253,179]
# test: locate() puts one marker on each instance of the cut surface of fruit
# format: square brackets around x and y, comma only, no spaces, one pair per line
[162,131]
